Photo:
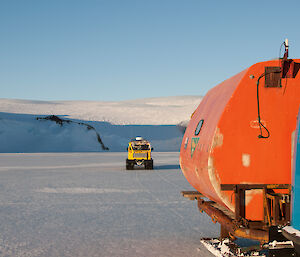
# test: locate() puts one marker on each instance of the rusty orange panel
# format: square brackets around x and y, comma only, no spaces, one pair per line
[228,151]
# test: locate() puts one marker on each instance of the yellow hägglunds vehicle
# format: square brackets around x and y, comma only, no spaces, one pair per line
[139,153]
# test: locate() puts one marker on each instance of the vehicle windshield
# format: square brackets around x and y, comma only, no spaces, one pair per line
[140,146]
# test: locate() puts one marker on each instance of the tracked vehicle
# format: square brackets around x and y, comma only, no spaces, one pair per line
[139,153]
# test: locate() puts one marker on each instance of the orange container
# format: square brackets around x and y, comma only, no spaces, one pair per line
[227,149]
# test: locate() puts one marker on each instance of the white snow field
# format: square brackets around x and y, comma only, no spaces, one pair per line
[148,111]
[157,119]
[87,204]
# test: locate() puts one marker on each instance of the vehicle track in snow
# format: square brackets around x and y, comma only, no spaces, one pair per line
[167,181]
[87,204]
[159,201]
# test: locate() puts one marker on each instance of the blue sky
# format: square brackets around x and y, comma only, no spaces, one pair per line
[126,49]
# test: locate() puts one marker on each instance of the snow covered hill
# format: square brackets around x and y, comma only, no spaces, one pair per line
[116,123]
[148,111]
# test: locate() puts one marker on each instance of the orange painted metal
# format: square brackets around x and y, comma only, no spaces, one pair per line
[227,149]
[230,226]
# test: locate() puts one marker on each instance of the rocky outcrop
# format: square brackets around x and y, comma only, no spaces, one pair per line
[61,121]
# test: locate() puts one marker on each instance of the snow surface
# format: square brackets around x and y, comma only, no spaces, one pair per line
[219,251]
[292,231]
[156,119]
[87,204]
